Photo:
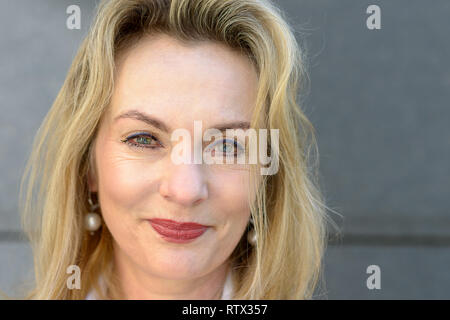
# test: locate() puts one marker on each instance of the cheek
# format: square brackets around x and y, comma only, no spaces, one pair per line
[234,189]
[124,181]
[232,197]
[120,175]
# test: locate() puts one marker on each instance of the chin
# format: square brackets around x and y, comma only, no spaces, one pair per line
[182,267]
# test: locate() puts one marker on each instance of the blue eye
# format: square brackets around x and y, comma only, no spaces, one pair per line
[142,140]
[226,147]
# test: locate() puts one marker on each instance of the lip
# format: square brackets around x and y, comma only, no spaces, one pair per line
[178,232]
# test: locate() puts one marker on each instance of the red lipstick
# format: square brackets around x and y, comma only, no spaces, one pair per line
[177,232]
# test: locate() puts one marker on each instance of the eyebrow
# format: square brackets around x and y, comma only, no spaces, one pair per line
[150,120]
[137,115]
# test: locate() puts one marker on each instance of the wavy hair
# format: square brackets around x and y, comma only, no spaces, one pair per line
[289,212]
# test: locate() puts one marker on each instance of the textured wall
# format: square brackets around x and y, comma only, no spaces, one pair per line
[379,102]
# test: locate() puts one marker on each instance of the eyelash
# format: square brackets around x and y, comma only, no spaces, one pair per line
[236,148]
[128,141]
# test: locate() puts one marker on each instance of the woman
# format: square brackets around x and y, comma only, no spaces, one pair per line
[113,202]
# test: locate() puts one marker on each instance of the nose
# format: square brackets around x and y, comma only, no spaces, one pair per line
[185,184]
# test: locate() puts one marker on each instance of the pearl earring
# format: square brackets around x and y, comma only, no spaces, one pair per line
[251,235]
[92,220]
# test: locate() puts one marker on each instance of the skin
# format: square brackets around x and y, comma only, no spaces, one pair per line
[177,84]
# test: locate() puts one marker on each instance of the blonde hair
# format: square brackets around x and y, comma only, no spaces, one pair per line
[289,212]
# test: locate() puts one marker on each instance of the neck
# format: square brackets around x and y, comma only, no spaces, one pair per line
[137,284]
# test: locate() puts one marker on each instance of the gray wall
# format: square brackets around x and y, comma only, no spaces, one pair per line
[379,102]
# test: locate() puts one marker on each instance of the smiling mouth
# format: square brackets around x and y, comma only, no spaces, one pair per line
[177,232]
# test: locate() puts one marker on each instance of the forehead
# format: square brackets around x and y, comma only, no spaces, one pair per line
[184,82]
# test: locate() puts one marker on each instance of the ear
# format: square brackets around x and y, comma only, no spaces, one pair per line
[92,181]
[92,174]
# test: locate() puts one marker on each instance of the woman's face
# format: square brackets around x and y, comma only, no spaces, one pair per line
[162,85]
